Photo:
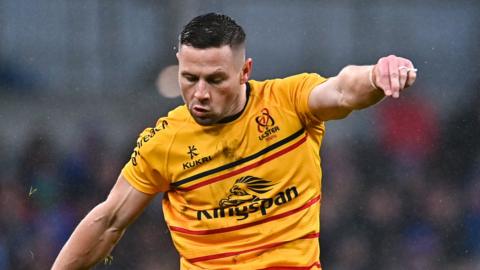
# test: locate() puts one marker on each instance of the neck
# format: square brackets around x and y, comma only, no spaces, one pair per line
[241,104]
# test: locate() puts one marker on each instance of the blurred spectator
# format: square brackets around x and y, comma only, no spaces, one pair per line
[383,206]
[81,167]
[422,248]
[408,130]
[352,252]
[472,218]
[461,140]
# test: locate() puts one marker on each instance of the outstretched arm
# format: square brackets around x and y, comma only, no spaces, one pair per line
[97,234]
[358,87]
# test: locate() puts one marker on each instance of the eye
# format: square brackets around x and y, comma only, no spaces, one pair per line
[216,80]
[190,78]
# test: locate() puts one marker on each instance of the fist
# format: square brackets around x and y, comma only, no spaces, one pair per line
[392,74]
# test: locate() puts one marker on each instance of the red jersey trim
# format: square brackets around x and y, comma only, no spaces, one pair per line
[317,264]
[233,253]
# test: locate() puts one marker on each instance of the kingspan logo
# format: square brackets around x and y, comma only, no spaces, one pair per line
[244,199]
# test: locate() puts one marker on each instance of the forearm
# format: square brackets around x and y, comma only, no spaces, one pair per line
[357,89]
[92,240]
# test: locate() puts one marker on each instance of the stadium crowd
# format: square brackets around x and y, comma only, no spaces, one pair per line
[408,197]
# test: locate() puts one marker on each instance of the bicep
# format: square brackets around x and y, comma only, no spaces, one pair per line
[125,203]
[326,101]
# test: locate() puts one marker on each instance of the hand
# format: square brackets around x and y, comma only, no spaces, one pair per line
[392,74]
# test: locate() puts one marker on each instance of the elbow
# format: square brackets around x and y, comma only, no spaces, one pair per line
[105,216]
[102,214]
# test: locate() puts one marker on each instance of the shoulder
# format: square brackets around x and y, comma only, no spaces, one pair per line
[175,119]
[292,81]
[291,78]
[153,138]
[290,87]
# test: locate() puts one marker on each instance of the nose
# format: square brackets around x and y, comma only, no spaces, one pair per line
[201,91]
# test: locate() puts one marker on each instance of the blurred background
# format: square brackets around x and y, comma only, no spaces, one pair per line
[79,80]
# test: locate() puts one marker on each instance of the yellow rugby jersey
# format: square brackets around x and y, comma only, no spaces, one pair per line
[243,194]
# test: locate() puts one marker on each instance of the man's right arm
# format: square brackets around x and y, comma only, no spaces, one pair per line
[358,87]
[96,235]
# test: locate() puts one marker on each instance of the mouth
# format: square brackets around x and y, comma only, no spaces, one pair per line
[200,111]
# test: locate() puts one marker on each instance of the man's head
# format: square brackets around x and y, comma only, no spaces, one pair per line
[212,30]
[212,67]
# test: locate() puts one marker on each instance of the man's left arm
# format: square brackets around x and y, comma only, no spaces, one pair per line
[358,87]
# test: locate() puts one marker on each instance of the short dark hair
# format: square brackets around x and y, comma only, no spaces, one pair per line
[212,30]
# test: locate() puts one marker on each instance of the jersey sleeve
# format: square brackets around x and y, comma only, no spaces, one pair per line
[296,90]
[145,169]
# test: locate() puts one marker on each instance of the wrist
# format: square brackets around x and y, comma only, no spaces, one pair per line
[371,79]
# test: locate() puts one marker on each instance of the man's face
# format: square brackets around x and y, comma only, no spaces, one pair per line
[211,81]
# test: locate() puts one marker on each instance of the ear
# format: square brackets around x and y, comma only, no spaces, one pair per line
[246,70]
